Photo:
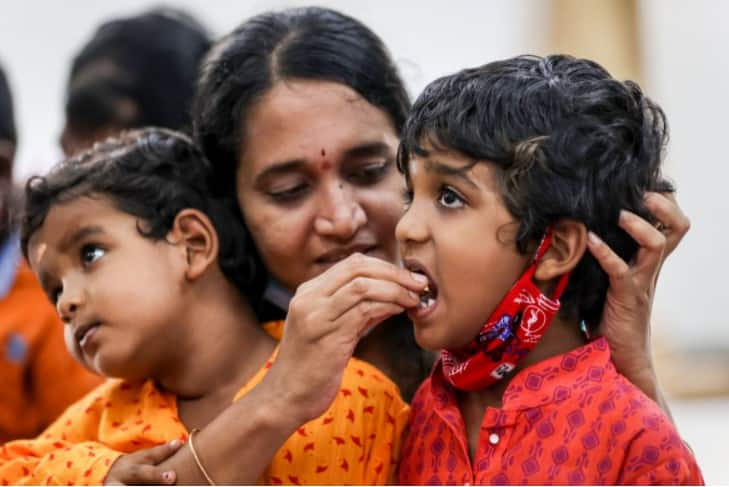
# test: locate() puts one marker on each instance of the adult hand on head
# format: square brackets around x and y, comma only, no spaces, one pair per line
[626,317]
[326,318]
[141,467]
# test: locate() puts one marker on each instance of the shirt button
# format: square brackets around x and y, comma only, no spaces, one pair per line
[493,438]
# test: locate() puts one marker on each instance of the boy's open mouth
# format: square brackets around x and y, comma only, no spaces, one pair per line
[430,293]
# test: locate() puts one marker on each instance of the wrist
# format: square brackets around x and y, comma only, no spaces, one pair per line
[280,411]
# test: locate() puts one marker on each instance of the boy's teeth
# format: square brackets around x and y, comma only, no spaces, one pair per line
[426,302]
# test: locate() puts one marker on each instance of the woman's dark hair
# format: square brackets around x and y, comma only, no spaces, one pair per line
[7,116]
[570,142]
[151,60]
[151,174]
[302,43]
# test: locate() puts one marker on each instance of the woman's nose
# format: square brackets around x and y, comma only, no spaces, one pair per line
[340,214]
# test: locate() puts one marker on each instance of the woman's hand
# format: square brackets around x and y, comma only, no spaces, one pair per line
[626,317]
[141,467]
[326,318]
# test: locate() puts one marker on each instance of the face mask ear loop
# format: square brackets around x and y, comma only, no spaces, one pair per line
[541,250]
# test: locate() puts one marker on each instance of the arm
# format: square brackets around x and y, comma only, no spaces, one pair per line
[626,317]
[326,318]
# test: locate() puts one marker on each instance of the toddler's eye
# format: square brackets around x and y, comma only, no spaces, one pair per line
[448,198]
[91,253]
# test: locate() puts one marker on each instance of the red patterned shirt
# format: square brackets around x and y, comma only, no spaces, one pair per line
[570,419]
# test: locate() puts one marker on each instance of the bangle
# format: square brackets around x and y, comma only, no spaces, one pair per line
[197,459]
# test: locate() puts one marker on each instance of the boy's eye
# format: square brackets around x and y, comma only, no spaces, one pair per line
[91,253]
[370,173]
[449,198]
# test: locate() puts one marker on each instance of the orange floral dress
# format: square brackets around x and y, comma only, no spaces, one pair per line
[357,440]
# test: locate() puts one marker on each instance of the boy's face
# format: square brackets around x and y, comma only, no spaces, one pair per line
[458,232]
[118,293]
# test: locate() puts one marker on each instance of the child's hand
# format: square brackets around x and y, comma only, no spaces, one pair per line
[626,317]
[326,318]
[141,467]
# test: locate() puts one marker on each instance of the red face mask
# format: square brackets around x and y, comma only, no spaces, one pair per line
[511,332]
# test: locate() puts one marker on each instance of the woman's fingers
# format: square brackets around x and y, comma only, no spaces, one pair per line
[369,290]
[673,221]
[359,265]
[611,263]
[651,241]
[370,314]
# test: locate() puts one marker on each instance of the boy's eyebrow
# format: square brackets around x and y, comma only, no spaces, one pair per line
[78,235]
[446,170]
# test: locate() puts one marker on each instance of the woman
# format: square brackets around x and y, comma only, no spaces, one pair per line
[300,112]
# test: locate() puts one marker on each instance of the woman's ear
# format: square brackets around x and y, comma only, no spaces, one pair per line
[569,241]
[193,231]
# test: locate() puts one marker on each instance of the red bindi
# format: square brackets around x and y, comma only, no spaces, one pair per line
[325,164]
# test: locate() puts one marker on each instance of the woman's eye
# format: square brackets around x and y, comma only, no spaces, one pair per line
[91,253]
[369,174]
[288,194]
[448,198]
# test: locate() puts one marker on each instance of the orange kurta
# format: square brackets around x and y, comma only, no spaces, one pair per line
[39,377]
[356,441]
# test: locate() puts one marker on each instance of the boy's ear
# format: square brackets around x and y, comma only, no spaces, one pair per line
[193,231]
[569,240]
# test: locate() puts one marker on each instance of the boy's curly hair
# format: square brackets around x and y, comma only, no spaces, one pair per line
[152,174]
[569,141]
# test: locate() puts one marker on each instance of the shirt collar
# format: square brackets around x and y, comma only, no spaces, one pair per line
[549,381]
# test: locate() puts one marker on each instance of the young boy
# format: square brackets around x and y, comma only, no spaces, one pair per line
[150,275]
[511,167]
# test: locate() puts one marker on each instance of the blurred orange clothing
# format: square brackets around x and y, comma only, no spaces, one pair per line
[39,377]
[357,441]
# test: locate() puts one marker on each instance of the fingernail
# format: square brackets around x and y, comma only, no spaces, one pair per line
[175,443]
[593,238]
[168,476]
[412,295]
[419,277]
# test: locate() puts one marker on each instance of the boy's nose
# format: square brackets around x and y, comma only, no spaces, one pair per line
[412,227]
[340,215]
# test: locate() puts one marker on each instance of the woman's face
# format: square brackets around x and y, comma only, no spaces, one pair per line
[317,179]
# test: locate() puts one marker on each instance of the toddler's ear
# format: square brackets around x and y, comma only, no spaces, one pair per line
[569,240]
[193,231]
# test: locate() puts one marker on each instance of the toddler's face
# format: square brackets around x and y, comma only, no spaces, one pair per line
[116,291]
[458,232]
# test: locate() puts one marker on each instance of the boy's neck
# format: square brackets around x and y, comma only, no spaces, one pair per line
[561,337]
[221,345]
